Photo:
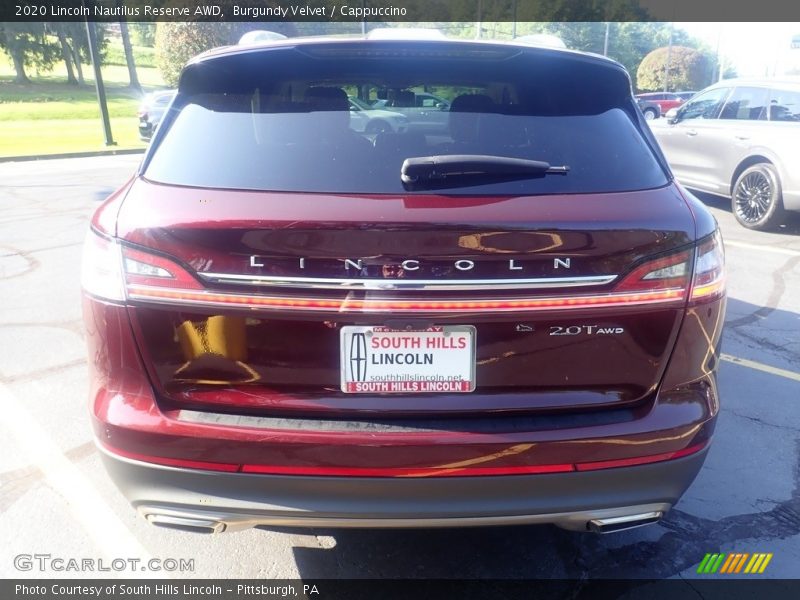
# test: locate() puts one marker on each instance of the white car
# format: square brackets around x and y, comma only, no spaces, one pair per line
[739,139]
[364,118]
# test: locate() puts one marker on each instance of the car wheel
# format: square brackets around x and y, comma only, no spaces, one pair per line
[650,114]
[756,200]
[378,126]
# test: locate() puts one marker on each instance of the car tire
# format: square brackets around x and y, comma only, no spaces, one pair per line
[378,126]
[756,200]
[650,114]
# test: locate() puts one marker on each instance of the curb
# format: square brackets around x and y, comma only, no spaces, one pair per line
[71,155]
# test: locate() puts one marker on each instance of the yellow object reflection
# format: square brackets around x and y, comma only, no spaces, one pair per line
[215,351]
[539,241]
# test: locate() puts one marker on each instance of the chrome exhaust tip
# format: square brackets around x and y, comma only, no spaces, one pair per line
[614,524]
[185,524]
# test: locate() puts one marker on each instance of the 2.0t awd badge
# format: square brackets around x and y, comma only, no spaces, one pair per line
[585,329]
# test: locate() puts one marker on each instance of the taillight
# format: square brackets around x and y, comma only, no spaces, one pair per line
[665,273]
[110,271]
[709,270]
[101,268]
[145,269]
[672,272]
[117,273]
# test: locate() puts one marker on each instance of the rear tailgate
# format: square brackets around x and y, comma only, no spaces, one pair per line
[551,352]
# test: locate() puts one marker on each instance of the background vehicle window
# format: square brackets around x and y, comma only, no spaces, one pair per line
[746,104]
[784,106]
[704,106]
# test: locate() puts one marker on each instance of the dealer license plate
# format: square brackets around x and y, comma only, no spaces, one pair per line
[383,360]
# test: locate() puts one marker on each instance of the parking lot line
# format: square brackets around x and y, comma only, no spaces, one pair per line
[112,537]
[761,367]
[762,248]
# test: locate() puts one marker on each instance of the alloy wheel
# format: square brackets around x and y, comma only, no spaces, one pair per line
[754,196]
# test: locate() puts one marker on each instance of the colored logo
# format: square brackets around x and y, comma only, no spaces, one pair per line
[735,563]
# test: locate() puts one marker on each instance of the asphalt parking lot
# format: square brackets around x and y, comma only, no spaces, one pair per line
[55,497]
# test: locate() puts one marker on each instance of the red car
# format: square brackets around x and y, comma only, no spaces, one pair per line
[291,323]
[665,100]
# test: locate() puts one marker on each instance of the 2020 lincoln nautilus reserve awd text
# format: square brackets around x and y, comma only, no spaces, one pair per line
[513,319]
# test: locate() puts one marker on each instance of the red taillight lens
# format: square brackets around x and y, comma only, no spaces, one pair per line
[143,268]
[101,268]
[709,270]
[668,272]
[110,271]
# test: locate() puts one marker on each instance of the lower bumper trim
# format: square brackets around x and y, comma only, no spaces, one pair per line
[217,522]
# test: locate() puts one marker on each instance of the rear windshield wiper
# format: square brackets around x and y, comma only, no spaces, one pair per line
[470,169]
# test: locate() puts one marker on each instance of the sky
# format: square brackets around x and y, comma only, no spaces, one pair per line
[755,49]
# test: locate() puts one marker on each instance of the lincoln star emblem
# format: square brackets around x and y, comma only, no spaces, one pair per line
[358,356]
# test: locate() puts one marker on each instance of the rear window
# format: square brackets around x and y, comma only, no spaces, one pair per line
[784,105]
[291,121]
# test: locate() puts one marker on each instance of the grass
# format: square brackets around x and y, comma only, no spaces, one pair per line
[49,116]
[142,56]
[41,137]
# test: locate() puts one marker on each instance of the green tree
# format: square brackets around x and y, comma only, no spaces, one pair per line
[61,31]
[143,34]
[75,34]
[28,46]
[628,42]
[688,70]
[129,60]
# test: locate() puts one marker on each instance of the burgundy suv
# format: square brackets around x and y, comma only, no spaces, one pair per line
[513,321]
[665,100]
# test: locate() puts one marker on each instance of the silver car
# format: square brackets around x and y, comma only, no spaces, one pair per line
[739,139]
[366,119]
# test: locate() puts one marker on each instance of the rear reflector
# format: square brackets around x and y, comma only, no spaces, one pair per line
[341,471]
[404,472]
[172,462]
[639,460]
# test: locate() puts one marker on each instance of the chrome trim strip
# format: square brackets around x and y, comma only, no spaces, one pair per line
[296,423]
[325,283]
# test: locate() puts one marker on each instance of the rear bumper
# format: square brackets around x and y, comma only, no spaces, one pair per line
[228,471]
[214,502]
[791,199]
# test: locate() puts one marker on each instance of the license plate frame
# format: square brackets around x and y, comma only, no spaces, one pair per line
[449,366]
